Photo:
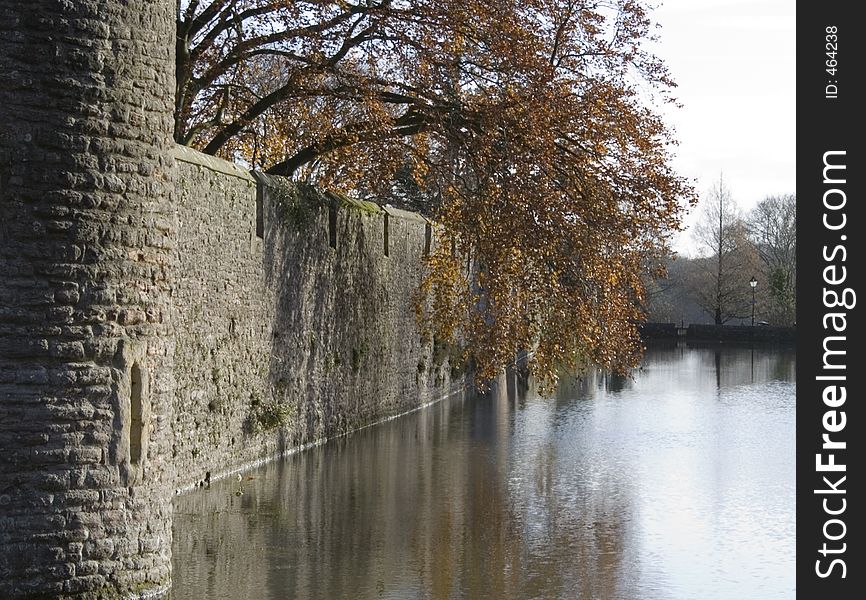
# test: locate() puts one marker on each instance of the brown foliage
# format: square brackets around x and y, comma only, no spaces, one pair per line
[529,125]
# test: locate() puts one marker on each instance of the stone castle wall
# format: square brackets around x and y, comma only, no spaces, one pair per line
[87,238]
[293,325]
[288,318]
[165,316]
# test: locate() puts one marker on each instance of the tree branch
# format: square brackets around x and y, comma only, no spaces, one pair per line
[334,142]
[273,98]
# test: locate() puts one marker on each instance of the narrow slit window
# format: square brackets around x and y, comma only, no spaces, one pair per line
[332,227]
[386,235]
[136,426]
[428,238]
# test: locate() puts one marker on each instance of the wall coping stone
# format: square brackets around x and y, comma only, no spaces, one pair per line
[219,165]
[194,157]
[342,200]
[363,205]
[399,213]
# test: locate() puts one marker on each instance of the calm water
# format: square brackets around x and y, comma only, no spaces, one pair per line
[677,484]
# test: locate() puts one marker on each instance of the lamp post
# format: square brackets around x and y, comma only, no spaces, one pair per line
[754,283]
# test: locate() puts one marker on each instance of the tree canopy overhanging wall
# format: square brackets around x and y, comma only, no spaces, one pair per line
[522,123]
[530,129]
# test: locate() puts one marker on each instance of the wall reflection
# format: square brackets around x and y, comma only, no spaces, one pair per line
[616,487]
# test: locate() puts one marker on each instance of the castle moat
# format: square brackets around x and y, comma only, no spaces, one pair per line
[676,484]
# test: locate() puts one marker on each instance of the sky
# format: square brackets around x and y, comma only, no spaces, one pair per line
[734,64]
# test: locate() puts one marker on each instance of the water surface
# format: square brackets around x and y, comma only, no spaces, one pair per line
[675,484]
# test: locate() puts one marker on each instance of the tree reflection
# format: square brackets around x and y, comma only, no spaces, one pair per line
[510,495]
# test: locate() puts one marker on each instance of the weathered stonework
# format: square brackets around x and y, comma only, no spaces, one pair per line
[87,240]
[282,339]
[166,317]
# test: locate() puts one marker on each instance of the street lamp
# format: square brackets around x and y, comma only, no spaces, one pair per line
[754,283]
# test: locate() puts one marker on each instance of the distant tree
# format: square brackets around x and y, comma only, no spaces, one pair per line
[772,227]
[659,285]
[532,127]
[671,299]
[720,283]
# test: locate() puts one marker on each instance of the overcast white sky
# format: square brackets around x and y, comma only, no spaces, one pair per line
[734,65]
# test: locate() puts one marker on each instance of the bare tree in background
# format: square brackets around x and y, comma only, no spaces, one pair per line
[720,283]
[772,228]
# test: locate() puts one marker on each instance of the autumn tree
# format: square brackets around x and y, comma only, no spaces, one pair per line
[721,282]
[772,227]
[529,127]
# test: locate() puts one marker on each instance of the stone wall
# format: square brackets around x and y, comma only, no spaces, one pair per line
[742,333]
[86,248]
[162,320]
[293,324]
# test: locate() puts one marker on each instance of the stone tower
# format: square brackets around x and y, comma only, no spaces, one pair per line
[86,243]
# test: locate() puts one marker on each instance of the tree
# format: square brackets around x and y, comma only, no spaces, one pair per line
[772,227]
[528,126]
[721,283]
[671,299]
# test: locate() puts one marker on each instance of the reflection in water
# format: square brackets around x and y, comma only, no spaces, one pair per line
[676,483]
